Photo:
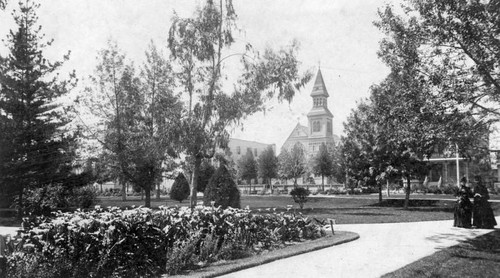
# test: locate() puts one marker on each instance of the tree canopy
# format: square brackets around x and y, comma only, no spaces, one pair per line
[268,165]
[199,47]
[292,165]
[137,116]
[247,167]
[37,148]
[323,164]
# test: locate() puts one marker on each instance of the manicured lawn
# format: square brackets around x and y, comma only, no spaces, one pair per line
[479,257]
[345,209]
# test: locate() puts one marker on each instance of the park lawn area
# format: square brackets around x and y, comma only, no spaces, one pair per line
[478,257]
[345,210]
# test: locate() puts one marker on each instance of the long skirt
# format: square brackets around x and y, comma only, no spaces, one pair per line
[483,215]
[462,216]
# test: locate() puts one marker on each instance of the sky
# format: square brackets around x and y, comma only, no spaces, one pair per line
[336,35]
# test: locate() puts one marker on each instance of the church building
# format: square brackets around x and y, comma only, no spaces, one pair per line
[320,129]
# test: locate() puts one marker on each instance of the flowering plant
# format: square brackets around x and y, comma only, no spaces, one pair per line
[147,243]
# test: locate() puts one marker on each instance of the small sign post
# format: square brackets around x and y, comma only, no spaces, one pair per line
[332,222]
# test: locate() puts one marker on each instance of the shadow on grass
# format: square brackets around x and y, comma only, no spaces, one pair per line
[368,213]
[412,203]
[477,257]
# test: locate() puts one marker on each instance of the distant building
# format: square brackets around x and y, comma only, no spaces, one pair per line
[239,148]
[320,129]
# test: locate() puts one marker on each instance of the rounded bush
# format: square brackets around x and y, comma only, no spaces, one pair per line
[222,190]
[180,188]
[299,195]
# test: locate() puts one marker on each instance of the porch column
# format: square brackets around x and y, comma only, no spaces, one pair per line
[467,171]
[445,173]
[458,169]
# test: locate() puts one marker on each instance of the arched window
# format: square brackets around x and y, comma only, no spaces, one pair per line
[329,127]
[316,126]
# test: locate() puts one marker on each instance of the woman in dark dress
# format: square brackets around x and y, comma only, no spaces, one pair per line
[463,206]
[482,212]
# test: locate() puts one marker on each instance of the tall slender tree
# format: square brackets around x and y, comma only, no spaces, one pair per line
[247,168]
[323,164]
[200,46]
[137,116]
[36,146]
[297,163]
[268,165]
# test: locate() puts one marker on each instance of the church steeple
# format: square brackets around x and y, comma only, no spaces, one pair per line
[320,118]
[319,88]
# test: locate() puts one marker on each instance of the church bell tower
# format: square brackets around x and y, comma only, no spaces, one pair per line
[320,118]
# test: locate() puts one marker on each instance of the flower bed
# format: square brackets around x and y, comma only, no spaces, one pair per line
[147,243]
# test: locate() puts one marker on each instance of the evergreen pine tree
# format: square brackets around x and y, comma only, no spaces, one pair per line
[36,150]
[180,188]
[222,190]
[206,172]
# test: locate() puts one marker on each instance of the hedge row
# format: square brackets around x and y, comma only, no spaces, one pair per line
[145,243]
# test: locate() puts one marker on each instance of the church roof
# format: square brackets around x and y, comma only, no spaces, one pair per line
[320,110]
[299,131]
[319,88]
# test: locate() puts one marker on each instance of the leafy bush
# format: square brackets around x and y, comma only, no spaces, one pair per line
[180,188]
[299,195]
[206,172]
[146,243]
[222,190]
[42,201]
[84,197]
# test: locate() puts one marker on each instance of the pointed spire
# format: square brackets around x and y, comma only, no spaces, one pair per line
[319,88]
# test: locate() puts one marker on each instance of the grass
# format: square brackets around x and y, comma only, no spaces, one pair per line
[345,210]
[478,257]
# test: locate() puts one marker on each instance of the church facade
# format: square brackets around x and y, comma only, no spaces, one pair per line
[320,129]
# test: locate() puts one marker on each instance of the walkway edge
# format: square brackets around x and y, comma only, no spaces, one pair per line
[228,267]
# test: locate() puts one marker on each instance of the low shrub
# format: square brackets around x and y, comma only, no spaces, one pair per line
[299,195]
[146,243]
[84,197]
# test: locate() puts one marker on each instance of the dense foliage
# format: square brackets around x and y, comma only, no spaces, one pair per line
[135,116]
[292,165]
[323,164]
[299,195]
[207,170]
[146,243]
[222,190]
[200,46]
[180,188]
[247,167]
[36,147]
[267,165]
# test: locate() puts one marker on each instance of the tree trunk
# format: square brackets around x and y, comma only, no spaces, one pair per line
[123,186]
[194,181]
[407,196]
[158,191]
[388,193]
[322,183]
[147,192]
[380,192]
[20,213]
